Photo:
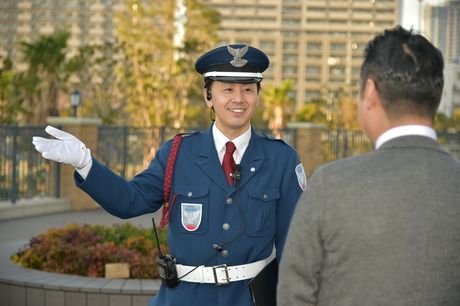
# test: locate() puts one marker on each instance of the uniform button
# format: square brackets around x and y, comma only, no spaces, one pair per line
[226,226]
[225,253]
[229,201]
[189,193]
[253,169]
[265,197]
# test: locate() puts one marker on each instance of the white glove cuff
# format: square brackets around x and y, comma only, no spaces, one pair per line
[86,158]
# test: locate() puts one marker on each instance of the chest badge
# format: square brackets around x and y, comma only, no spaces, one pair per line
[191,216]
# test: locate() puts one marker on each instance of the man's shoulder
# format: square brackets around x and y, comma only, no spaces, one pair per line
[273,142]
[350,165]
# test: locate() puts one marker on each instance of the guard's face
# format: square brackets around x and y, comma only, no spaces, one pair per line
[234,105]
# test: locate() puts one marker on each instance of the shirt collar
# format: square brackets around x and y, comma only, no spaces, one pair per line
[405,130]
[241,143]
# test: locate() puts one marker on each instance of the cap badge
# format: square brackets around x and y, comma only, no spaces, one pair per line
[238,61]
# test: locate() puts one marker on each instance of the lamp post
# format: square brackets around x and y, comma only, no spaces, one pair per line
[74,101]
[331,62]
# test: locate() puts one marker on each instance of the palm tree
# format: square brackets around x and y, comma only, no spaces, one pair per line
[276,106]
[46,60]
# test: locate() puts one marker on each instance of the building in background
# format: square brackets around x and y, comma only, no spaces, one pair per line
[318,44]
[89,22]
[450,100]
[442,27]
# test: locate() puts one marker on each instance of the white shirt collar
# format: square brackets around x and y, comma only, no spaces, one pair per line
[241,143]
[404,130]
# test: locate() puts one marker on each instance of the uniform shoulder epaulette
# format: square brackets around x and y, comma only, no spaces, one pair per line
[272,138]
[186,134]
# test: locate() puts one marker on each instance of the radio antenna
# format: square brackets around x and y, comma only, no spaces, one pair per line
[156,237]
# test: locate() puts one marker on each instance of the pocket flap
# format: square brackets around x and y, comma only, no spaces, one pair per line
[191,192]
[265,194]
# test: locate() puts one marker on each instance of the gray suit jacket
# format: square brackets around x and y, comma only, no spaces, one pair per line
[378,229]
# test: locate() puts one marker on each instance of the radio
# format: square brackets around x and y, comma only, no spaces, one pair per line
[166,265]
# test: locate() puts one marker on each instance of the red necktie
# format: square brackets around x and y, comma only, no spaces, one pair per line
[228,163]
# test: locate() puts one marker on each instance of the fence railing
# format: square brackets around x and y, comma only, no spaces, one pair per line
[23,172]
[337,144]
[129,150]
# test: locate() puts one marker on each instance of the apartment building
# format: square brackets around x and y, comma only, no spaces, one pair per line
[88,21]
[318,44]
[442,27]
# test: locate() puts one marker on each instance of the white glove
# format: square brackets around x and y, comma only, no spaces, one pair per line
[65,149]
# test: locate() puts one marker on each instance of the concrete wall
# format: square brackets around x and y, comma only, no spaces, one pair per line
[27,287]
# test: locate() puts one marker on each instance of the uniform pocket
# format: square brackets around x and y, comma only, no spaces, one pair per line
[190,211]
[261,212]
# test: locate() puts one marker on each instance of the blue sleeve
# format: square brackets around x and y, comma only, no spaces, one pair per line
[289,196]
[126,199]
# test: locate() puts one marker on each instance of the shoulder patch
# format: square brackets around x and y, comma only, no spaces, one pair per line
[301,177]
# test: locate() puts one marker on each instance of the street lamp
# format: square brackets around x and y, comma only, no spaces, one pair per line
[331,62]
[74,101]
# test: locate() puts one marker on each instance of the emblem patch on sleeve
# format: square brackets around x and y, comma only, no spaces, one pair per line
[301,178]
[191,216]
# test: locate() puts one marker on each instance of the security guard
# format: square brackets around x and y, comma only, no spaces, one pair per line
[233,192]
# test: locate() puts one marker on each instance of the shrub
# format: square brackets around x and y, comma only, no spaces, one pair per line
[85,249]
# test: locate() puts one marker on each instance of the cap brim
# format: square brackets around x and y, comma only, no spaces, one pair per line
[234,80]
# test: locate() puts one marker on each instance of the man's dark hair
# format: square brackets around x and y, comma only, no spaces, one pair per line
[407,70]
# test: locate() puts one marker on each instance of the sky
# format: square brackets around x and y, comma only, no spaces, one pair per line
[411,12]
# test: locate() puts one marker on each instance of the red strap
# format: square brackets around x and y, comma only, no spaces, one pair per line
[168,180]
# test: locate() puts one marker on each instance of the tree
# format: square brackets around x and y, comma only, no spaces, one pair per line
[101,89]
[9,108]
[314,111]
[277,106]
[345,115]
[443,123]
[158,71]
[45,75]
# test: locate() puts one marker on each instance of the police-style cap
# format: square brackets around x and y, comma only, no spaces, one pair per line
[233,64]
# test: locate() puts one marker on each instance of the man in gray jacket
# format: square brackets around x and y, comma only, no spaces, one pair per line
[383,228]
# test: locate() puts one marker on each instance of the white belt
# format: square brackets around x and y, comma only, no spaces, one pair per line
[222,274]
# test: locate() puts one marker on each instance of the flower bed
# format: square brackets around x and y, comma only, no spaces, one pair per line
[85,249]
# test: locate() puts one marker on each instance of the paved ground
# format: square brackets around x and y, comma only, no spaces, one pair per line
[25,228]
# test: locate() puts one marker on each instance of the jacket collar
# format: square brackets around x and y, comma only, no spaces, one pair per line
[412,141]
[208,159]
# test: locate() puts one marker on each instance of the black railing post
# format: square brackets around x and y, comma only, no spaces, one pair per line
[125,150]
[57,179]
[337,144]
[14,184]
[345,143]
[162,134]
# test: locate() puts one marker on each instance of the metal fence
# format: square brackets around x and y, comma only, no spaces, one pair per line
[23,172]
[337,144]
[128,150]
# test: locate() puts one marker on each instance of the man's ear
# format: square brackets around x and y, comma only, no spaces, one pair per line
[207,97]
[371,95]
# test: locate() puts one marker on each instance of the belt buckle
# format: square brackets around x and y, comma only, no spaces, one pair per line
[226,280]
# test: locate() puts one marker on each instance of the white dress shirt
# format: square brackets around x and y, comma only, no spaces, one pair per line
[241,143]
[405,130]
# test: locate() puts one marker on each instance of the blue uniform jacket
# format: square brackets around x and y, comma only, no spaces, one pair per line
[256,215]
